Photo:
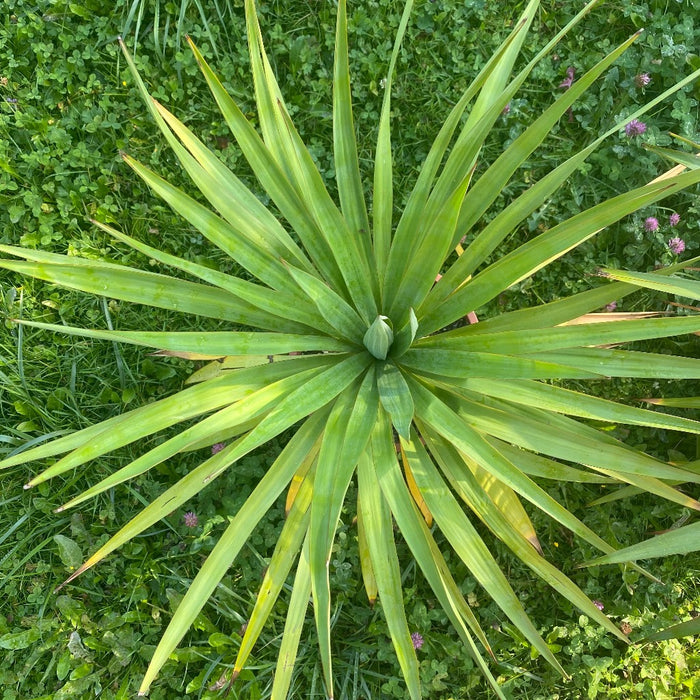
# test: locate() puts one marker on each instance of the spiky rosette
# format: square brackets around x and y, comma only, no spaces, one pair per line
[371,361]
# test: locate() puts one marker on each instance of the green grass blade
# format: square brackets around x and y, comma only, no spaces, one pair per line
[685,402]
[689,160]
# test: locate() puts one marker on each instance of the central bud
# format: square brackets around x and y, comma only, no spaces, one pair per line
[379,337]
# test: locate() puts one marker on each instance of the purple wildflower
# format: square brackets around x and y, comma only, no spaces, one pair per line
[651,224]
[676,245]
[674,219]
[598,604]
[216,448]
[191,519]
[417,639]
[506,109]
[611,306]
[635,128]
[567,82]
[642,80]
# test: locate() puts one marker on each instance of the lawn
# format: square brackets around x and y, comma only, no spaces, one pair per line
[70,106]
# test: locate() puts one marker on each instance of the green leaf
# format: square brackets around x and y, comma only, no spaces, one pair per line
[689,160]
[230,543]
[291,153]
[543,340]
[566,309]
[299,602]
[420,541]
[273,179]
[649,280]
[385,563]
[140,287]
[346,434]
[457,364]
[542,250]
[268,305]
[347,169]
[625,363]
[334,309]
[472,550]
[69,551]
[215,343]
[684,629]
[146,420]
[15,641]
[502,524]
[286,551]
[575,403]
[681,541]
[383,201]
[379,337]
[395,397]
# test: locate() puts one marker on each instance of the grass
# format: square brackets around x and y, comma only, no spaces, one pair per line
[59,164]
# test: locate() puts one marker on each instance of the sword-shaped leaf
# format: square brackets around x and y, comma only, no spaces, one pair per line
[385,563]
[230,543]
[650,280]
[346,435]
[681,541]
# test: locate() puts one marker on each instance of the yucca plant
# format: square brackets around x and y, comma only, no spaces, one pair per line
[343,334]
